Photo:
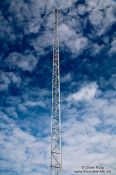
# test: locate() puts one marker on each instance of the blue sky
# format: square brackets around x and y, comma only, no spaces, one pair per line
[88,84]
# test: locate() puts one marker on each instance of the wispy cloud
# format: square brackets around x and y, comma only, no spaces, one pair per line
[88,138]
[25,62]
[66,78]
[8,78]
[87,92]
[86,132]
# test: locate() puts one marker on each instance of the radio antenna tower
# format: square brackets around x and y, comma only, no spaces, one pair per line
[56,153]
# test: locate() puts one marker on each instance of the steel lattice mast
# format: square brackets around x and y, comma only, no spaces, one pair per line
[56,153]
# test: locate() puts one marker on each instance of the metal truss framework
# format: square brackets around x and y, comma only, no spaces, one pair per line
[56,153]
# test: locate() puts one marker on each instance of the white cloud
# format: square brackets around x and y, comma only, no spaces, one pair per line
[100,20]
[85,93]
[112,50]
[42,42]
[85,138]
[24,152]
[5,119]
[34,103]
[70,39]
[71,25]
[105,3]
[66,32]
[88,134]
[30,22]
[11,111]
[66,78]
[8,78]
[81,9]
[60,4]
[81,44]
[26,62]
[81,149]
[6,30]
[35,97]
